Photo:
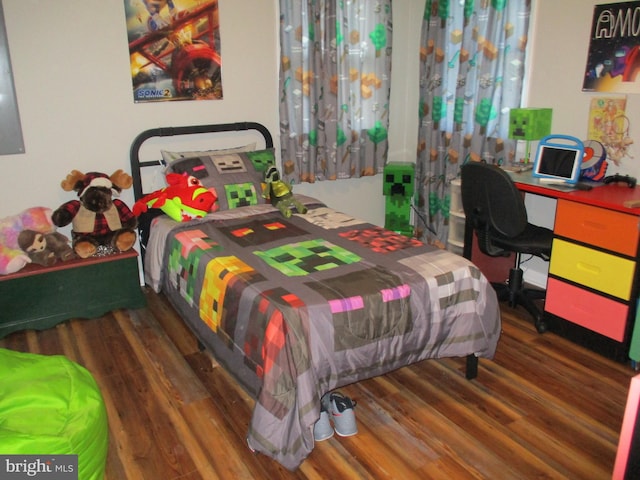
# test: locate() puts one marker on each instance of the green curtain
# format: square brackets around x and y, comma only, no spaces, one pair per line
[334,88]
[472,58]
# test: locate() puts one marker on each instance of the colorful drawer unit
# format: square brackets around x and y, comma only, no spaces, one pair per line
[592,274]
[39,298]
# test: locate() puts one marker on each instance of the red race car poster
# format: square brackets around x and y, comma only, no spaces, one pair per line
[613,61]
[174,49]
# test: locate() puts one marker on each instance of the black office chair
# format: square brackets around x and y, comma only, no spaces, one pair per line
[494,209]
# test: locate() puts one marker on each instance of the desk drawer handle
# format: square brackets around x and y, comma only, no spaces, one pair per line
[593,270]
[594,225]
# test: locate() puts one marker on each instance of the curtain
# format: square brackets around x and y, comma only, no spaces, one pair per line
[334,88]
[472,57]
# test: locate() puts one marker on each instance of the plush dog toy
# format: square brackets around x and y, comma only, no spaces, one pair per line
[45,248]
[100,223]
[183,199]
[280,193]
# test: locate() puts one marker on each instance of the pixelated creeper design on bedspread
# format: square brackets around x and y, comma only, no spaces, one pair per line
[303,258]
[187,249]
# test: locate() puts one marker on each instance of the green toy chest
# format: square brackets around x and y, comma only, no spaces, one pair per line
[39,298]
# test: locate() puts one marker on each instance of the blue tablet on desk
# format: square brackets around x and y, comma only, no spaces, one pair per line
[558,160]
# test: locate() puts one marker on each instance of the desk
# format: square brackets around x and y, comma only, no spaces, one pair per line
[593,282]
[610,197]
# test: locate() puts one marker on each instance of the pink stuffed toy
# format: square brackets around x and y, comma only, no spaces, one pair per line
[12,257]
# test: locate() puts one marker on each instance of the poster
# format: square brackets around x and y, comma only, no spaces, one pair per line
[606,118]
[174,49]
[613,61]
[609,125]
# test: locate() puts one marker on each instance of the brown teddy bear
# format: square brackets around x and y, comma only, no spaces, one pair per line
[45,248]
[100,223]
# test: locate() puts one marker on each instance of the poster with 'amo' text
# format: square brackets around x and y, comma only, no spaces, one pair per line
[613,61]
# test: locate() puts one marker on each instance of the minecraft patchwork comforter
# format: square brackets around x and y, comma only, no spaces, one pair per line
[296,307]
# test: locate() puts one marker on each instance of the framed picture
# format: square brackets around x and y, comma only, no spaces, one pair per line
[174,50]
[613,62]
[11,141]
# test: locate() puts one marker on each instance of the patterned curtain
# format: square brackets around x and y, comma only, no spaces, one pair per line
[334,86]
[472,57]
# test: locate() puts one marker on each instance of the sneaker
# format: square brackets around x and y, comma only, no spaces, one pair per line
[322,429]
[325,401]
[344,418]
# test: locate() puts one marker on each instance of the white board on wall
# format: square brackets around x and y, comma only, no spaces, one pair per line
[11,141]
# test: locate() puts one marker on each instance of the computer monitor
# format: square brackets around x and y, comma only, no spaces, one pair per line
[558,159]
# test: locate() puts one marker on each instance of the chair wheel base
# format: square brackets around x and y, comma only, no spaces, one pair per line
[515,294]
[541,326]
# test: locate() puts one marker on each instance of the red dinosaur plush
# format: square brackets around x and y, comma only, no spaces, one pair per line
[183,199]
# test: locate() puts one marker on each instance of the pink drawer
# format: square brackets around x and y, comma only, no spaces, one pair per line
[602,315]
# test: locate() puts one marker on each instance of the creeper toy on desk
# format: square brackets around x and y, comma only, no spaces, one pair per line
[529,124]
[398,189]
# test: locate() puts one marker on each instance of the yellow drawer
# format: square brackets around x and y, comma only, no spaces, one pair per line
[615,231]
[594,269]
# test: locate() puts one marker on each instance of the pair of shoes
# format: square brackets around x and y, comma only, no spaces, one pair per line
[336,407]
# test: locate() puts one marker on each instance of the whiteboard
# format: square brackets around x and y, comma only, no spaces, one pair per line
[10,130]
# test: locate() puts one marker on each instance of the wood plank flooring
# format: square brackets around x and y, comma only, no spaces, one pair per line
[543,408]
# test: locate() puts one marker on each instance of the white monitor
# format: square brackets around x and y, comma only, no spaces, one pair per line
[558,159]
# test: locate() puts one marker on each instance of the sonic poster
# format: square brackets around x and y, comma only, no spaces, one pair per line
[174,48]
[614,52]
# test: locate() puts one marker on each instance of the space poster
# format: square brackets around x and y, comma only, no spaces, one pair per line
[174,50]
[613,60]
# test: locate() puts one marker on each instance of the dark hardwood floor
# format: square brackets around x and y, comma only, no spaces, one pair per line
[543,408]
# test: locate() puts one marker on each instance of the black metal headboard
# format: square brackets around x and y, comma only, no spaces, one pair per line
[137,166]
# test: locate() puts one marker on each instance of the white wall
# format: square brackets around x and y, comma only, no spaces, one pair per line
[71,69]
[559,46]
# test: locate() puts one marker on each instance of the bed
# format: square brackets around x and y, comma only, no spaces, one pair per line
[296,307]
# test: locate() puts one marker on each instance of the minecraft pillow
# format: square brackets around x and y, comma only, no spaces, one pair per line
[236,177]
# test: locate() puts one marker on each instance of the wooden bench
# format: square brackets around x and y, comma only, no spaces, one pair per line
[39,297]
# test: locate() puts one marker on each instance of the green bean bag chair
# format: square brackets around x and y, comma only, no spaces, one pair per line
[50,405]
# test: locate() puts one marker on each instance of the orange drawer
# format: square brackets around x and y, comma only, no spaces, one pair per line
[596,226]
[602,315]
